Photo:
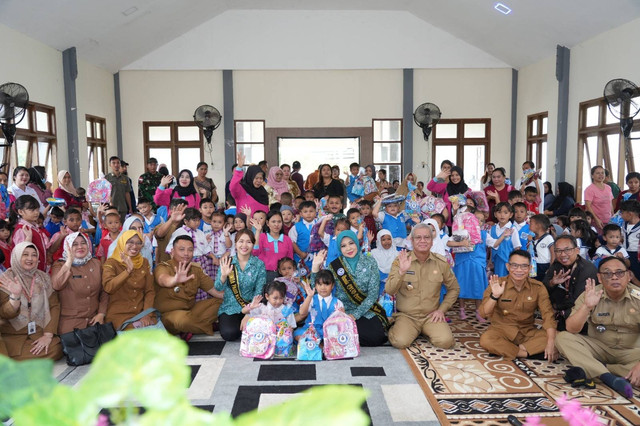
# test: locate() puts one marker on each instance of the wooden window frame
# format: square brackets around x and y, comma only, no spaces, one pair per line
[34,137]
[174,143]
[460,141]
[264,138]
[93,143]
[537,139]
[385,166]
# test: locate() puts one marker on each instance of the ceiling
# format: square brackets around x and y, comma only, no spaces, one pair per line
[104,36]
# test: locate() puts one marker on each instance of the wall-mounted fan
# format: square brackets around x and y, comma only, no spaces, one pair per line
[208,118]
[14,100]
[426,116]
[623,100]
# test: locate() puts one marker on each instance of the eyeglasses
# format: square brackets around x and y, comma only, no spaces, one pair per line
[608,274]
[564,251]
[420,238]
[519,266]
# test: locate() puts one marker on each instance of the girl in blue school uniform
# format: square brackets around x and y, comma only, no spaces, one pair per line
[502,238]
[321,305]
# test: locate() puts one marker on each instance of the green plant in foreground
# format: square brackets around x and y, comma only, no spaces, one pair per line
[147,368]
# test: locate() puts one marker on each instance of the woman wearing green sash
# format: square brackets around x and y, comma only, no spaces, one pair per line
[357,287]
[241,277]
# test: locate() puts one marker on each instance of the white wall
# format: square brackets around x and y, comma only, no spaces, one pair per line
[538,92]
[167,96]
[465,93]
[94,96]
[39,69]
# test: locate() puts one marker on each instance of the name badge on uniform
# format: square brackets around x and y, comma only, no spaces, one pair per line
[31,328]
[506,300]
[603,314]
[76,276]
[410,272]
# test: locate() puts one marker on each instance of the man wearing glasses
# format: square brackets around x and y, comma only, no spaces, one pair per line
[612,313]
[566,277]
[416,278]
[510,302]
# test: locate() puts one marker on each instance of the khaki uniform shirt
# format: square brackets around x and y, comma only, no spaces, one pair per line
[418,290]
[514,311]
[621,319]
[167,299]
[119,188]
[163,242]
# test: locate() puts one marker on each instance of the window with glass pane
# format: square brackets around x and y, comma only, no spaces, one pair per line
[474,165]
[43,149]
[163,155]
[464,142]
[254,153]
[474,130]
[593,116]
[25,122]
[91,162]
[159,133]
[446,131]
[249,131]
[445,152]
[89,125]
[188,133]
[537,140]
[386,152]
[177,144]
[22,149]
[42,121]
[394,172]
[387,130]
[188,158]
[99,132]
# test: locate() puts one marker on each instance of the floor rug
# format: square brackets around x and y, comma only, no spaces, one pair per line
[466,385]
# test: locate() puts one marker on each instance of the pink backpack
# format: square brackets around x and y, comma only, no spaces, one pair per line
[465,227]
[340,337]
[258,338]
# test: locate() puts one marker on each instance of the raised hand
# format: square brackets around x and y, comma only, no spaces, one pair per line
[70,256]
[591,296]
[246,210]
[177,214]
[494,195]
[327,217]
[444,174]
[225,267]
[127,262]
[182,273]
[497,287]
[404,262]
[255,302]
[307,288]
[370,236]
[226,228]
[166,181]
[318,260]
[559,277]
[255,223]
[12,286]
[240,158]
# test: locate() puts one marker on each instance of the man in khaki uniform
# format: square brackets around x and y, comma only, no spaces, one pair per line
[416,278]
[612,312]
[510,303]
[177,282]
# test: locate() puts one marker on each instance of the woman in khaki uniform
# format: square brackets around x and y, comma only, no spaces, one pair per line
[31,306]
[78,279]
[127,278]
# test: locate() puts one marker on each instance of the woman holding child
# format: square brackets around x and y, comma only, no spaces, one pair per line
[357,287]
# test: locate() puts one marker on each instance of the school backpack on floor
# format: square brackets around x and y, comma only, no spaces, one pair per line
[309,345]
[258,338]
[340,337]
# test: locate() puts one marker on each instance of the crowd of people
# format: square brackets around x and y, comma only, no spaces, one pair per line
[324,243]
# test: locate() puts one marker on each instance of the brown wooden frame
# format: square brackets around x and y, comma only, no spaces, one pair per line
[460,141]
[401,142]
[93,143]
[264,134]
[174,144]
[538,139]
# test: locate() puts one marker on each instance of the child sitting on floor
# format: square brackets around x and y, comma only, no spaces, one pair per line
[319,304]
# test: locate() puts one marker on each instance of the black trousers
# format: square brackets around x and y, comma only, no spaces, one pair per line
[371,332]
[230,326]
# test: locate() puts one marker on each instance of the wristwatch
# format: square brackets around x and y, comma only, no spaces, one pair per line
[492,297]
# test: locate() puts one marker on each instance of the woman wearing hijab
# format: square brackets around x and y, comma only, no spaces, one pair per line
[77,278]
[357,287]
[384,254]
[135,222]
[67,191]
[564,201]
[277,184]
[30,306]
[184,189]
[248,188]
[455,186]
[127,278]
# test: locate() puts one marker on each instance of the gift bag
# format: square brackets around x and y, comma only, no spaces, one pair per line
[481,200]
[358,187]
[430,205]
[309,345]
[258,338]
[465,227]
[99,191]
[340,337]
[388,302]
[284,335]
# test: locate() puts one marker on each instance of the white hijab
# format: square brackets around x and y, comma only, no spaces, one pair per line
[384,257]
[438,246]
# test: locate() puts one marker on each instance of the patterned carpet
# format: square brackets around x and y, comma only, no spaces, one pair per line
[468,386]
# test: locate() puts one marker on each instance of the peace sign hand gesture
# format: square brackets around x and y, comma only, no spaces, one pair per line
[497,287]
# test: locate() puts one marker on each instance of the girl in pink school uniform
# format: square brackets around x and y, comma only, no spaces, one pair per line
[184,189]
[273,245]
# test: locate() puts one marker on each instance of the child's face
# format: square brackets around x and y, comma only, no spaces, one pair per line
[575,232]
[238,224]
[439,221]
[229,221]
[308,196]
[520,214]
[574,218]
[633,184]
[339,228]
[56,219]
[4,234]
[354,219]
[334,205]
[30,215]
[287,216]
[323,289]
[514,200]
[296,203]
[286,269]
[192,223]
[480,217]
[275,224]
[73,222]
[392,209]
[365,210]
[207,210]
[386,242]
[217,222]
[530,197]
[626,216]
[275,298]
[261,217]
[354,170]
[613,238]
[308,213]
[113,224]
[589,219]
[4,179]
[144,209]
[503,215]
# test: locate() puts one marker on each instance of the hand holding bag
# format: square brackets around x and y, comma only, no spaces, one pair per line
[157,326]
[81,345]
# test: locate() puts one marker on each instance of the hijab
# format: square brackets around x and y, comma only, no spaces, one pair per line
[565,190]
[279,187]
[184,191]
[68,242]
[137,260]
[147,249]
[438,246]
[42,289]
[353,261]
[259,194]
[383,257]
[68,188]
[457,188]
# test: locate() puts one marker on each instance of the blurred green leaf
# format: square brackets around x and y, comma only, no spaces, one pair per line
[184,414]
[23,382]
[64,407]
[145,367]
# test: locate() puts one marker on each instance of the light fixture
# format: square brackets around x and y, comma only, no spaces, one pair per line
[129,11]
[502,8]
